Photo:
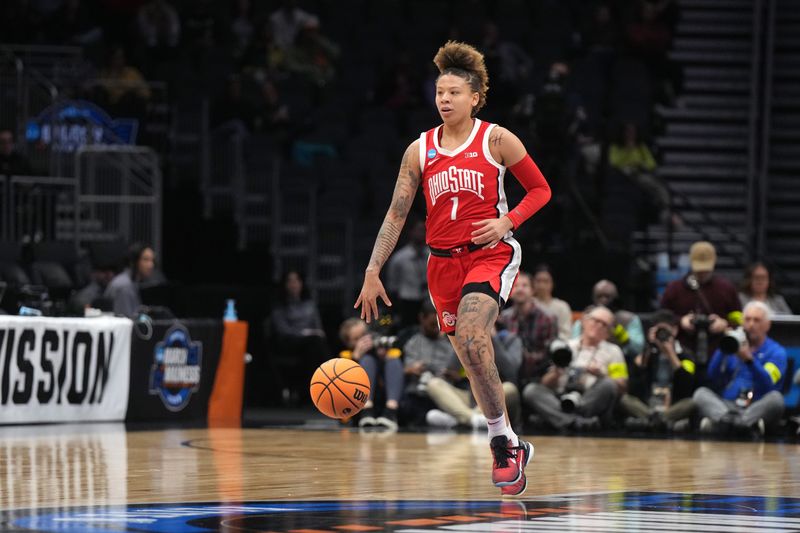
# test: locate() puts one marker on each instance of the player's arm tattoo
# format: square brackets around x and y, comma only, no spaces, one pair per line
[496,137]
[404,191]
[496,142]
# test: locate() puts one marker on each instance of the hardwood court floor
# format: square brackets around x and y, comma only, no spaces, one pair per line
[103,465]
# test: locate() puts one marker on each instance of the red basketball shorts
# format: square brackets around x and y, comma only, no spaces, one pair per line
[495,268]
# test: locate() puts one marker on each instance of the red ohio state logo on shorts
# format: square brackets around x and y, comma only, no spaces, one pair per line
[448,319]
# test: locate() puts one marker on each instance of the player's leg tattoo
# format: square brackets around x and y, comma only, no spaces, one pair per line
[473,343]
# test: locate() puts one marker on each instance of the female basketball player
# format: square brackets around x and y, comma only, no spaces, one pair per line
[474,259]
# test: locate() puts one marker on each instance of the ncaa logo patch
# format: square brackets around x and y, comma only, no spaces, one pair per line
[431,153]
[449,319]
[175,373]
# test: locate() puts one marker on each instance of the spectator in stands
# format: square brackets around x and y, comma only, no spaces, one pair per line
[399,90]
[263,58]
[556,115]
[379,361]
[507,348]
[706,303]
[628,333]
[752,376]
[123,290]
[159,25]
[631,157]
[288,21]
[313,55]
[12,163]
[122,86]
[662,379]
[231,111]
[543,297]
[92,295]
[510,64]
[650,37]
[242,26]
[406,276]
[426,354]
[582,394]
[535,328]
[437,391]
[757,285]
[601,35]
[160,33]
[297,326]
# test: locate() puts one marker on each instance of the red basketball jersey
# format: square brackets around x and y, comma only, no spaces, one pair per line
[461,186]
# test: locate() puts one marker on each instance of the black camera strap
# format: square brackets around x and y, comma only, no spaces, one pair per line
[702,297]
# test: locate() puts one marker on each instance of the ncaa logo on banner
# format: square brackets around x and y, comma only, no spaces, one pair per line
[175,373]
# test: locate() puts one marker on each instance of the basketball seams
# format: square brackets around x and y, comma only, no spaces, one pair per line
[346,396]
[333,401]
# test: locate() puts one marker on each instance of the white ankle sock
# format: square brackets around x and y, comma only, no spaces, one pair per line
[499,426]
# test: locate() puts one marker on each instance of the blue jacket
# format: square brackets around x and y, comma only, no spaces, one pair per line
[763,375]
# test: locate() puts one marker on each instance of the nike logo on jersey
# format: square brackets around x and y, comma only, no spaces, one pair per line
[434,160]
[455,180]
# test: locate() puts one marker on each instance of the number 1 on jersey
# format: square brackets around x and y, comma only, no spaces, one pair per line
[454,199]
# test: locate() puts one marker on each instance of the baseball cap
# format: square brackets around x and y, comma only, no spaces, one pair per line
[702,256]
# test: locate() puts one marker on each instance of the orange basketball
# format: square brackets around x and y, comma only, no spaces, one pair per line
[339,388]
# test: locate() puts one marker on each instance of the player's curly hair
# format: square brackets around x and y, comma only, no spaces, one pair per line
[464,61]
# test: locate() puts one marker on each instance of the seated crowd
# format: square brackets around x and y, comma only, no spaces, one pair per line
[703,361]
[51,278]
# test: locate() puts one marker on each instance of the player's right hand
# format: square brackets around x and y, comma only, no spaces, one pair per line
[368,299]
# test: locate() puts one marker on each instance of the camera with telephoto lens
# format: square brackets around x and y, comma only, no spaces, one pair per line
[571,401]
[745,397]
[663,334]
[383,341]
[732,341]
[701,322]
[560,353]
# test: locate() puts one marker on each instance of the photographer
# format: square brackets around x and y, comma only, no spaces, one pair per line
[628,333]
[377,355]
[582,388]
[662,379]
[750,366]
[706,302]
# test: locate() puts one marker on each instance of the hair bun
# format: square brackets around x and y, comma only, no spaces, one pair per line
[464,60]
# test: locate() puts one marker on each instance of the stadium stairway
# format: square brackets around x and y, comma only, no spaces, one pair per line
[782,160]
[705,147]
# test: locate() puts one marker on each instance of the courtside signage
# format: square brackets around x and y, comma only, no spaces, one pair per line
[176,370]
[64,369]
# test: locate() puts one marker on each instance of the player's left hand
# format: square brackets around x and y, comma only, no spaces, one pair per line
[491,230]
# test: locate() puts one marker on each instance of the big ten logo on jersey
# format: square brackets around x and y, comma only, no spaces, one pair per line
[455,180]
[468,155]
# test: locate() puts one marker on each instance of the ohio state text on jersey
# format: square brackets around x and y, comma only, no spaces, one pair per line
[461,186]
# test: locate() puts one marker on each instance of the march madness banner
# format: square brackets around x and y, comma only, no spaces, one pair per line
[64,369]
